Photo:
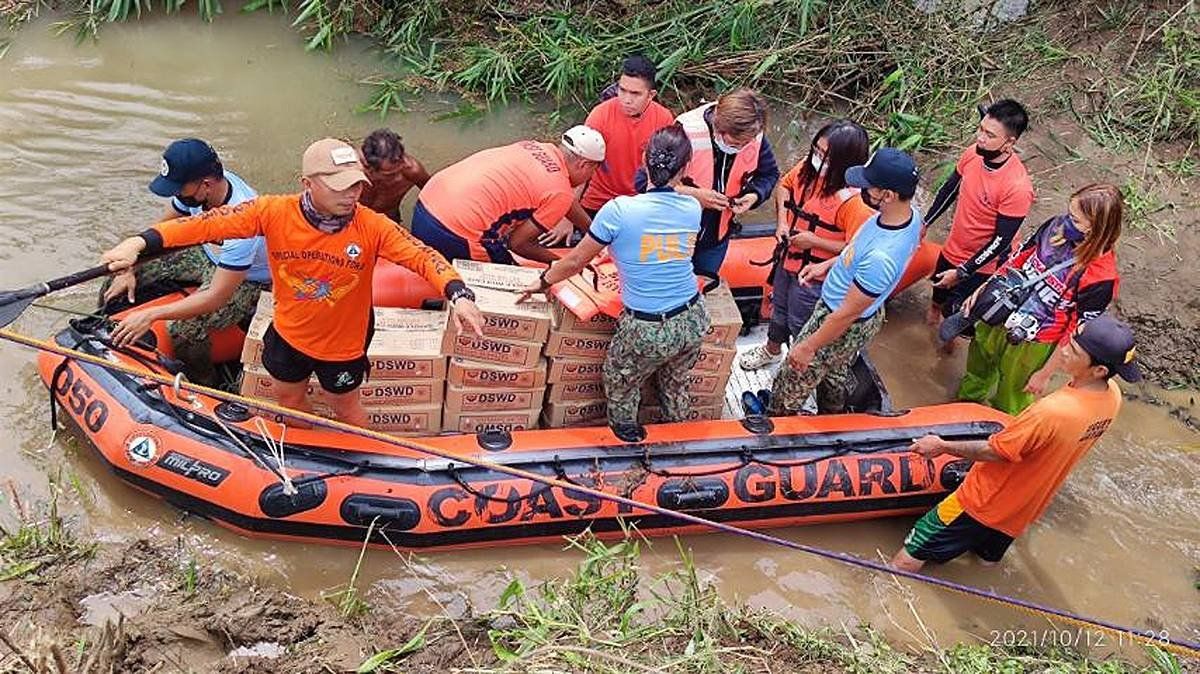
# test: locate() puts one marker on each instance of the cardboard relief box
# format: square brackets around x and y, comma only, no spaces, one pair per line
[504,318]
[507,277]
[258,384]
[564,370]
[565,320]
[414,420]
[583,413]
[473,422]
[583,346]
[471,374]
[491,350]
[575,391]
[714,359]
[725,317]
[491,400]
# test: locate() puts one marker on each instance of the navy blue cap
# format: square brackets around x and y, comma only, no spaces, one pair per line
[183,161]
[887,169]
[1110,343]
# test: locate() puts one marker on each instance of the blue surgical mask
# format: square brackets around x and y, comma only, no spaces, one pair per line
[720,143]
[1069,231]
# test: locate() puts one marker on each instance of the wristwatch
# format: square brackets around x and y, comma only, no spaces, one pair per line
[461,293]
[545,285]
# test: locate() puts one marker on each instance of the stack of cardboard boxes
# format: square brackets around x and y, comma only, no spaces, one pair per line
[708,378]
[498,380]
[576,351]
[406,387]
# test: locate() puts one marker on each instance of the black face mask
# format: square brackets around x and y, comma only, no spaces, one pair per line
[871,203]
[190,202]
[988,155]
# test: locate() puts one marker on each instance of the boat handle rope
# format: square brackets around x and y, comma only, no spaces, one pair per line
[462,482]
[745,458]
[1176,645]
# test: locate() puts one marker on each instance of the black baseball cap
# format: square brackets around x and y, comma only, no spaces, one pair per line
[1110,343]
[182,162]
[887,169]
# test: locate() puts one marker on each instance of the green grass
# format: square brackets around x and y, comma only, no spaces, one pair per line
[609,616]
[347,599]
[869,59]
[38,542]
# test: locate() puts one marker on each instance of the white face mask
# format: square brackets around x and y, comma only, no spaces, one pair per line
[817,163]
[719,141]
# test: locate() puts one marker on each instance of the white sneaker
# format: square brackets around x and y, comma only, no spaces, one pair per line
[758,358]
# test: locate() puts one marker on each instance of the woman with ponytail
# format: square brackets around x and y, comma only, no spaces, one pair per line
[1011,363]
[651,237]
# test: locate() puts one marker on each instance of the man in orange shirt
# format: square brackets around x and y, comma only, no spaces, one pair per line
[1018,470]
[322,248]
[501,199]
[626,121]
[994,195]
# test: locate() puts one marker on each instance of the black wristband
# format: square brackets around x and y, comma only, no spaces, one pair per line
[457,290]
[545,285]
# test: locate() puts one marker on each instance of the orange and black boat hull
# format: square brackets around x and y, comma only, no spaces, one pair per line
[807,470]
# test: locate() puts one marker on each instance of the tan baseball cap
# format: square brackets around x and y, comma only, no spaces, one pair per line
[335,162]
[585,142]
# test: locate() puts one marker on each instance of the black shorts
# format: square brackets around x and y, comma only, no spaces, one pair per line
[283,362]
[946,531]
[950,299]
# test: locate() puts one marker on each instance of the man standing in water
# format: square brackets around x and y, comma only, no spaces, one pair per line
[1018,471]
[391,172]
[323,249]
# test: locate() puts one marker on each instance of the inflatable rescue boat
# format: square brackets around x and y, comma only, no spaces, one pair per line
[250,472]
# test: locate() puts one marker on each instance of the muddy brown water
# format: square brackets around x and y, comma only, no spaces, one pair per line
[81,129]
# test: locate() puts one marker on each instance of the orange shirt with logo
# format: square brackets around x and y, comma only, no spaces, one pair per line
[625,140]
[483,197]
[982,195]
[322,282]
[1041,446]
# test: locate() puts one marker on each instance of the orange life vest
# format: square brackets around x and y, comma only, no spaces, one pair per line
[817,214]
[700,168]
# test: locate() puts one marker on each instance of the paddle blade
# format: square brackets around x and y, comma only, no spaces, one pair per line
[14,302]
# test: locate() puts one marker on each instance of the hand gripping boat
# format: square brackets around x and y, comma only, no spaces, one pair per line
[219,460]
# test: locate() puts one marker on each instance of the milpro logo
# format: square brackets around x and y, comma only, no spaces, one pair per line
[353,251]
[141,449]
[193,469]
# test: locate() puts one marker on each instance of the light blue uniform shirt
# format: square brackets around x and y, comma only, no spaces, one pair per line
[248,255]
[874,261]
[652,237]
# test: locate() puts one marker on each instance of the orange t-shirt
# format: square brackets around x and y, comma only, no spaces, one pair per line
[1041,446]
[483,197]
[625,141]
[982,195]
[849,215]
[322,282]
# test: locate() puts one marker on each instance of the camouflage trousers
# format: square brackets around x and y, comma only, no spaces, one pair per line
[664,350]
[829,373]
[189,337]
